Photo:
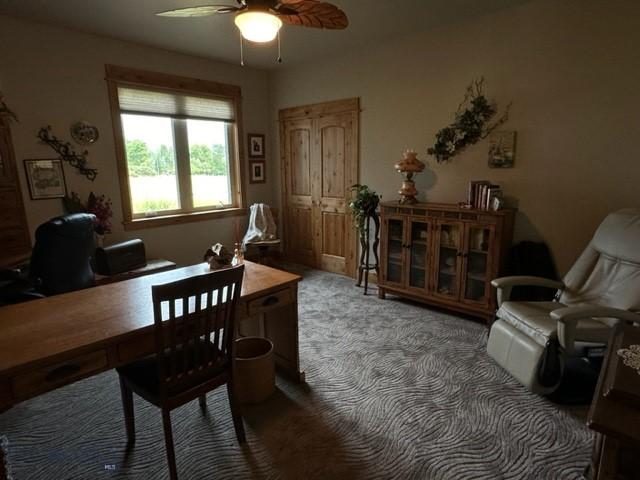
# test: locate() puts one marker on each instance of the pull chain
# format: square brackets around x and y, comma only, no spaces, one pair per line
[279,50]
[241,51]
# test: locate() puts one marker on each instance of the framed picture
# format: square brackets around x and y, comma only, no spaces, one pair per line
[45,178]
[256,145]
[257,173]
[502,149]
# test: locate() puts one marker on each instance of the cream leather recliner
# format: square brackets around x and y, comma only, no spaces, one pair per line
[531,340]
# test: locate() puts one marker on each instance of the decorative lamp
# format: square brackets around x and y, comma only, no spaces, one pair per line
[409,166]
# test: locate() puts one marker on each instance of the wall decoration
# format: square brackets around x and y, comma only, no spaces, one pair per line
[257,173]
[5,110]
[84,133]
[45,178]
[76,160]
[256,145]
[502,149]
[471,123]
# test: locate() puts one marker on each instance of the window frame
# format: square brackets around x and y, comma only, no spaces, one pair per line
[123,76]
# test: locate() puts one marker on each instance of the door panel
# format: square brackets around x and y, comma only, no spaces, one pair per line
[448,249]
[298,209]
[333,161]
[300,148]
[320,164]
[418,236]
[335,177]
[393,270]
[477,264]
[333,228]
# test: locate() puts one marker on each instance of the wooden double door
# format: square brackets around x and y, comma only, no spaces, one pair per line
[319,155]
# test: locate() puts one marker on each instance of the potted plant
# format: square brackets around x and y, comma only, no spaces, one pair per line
[363,205]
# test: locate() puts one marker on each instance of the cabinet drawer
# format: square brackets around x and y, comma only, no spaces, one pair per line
[269,302]
[52,376]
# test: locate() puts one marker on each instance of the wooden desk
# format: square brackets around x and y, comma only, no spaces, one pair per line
[55,341]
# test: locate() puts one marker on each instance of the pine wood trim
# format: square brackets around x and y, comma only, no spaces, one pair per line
[178,218]
[320,109]
[145,78]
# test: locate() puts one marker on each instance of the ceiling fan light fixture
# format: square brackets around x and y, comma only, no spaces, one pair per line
[258,27]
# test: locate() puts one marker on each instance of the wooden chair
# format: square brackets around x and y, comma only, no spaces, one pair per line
[194,335]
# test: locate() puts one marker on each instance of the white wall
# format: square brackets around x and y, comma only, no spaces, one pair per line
[53,76]
[572,70]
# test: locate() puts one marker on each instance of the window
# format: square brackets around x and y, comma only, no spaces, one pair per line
[178,149]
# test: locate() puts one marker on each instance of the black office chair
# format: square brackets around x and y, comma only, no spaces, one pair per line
[60,261]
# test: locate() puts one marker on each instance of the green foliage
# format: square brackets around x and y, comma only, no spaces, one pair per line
[364,204]
[205,160]
[470,125]
[154,205]
[208,161]
[139,159]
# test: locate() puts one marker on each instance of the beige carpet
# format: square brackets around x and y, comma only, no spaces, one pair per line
[394,390]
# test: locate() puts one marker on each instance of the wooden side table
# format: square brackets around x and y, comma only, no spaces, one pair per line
[615,414]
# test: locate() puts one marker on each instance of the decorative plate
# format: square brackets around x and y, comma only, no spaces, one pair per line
[84,133]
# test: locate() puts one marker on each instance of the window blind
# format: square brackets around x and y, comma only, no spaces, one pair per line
[145,102]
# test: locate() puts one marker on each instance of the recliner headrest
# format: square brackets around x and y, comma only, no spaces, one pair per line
[618,235]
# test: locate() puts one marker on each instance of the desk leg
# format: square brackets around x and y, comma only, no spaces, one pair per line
[281,327]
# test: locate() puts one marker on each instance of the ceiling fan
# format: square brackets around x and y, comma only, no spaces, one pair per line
[260,20]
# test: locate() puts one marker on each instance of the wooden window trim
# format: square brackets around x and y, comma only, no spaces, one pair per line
[115,76]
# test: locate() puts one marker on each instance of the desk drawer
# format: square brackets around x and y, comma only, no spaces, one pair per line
[270,302]
[53,376]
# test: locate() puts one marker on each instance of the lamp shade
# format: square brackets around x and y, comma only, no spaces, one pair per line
[259,27]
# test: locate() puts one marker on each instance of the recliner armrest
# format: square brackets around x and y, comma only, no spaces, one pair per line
[573,314]
[505,284]
[568,318]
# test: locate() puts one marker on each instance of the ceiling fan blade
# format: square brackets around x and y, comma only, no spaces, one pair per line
[312,13]
[202,11]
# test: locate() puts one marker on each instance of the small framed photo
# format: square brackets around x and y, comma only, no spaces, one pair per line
[257,173]
[256,145]
[502,149]
[45,178]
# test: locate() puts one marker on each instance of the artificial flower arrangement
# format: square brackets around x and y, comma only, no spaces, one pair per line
[471,123]
[99,205]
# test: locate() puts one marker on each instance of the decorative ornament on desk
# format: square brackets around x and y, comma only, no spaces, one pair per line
[218,257]
[409,166]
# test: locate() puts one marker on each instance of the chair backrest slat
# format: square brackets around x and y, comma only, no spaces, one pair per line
[186,314]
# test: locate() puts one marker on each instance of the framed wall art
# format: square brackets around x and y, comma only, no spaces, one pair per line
[45,178]
[256,145]
[257,172]
[502,149]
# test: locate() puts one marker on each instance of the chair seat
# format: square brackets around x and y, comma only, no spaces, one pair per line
[142,376]
[532,319]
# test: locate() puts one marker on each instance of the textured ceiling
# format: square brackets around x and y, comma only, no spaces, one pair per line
[217,38]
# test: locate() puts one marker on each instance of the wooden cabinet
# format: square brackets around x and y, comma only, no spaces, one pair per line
[15,244]
[444,255]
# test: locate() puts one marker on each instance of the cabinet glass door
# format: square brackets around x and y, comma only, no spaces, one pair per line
[419,252]
[395,250]
[448,248]
[477,264]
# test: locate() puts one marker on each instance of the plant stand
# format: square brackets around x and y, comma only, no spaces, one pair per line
[365,266]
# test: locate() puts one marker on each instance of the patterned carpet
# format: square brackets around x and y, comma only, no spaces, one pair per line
[394,390]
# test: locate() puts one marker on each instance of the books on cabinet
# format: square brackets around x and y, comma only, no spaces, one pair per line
[484,195]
